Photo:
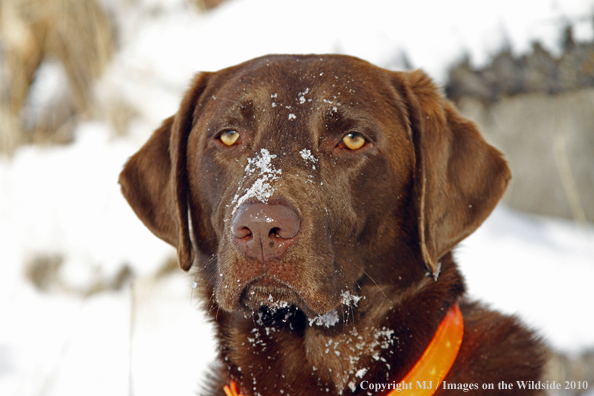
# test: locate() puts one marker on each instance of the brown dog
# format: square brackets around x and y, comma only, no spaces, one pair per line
[319,198]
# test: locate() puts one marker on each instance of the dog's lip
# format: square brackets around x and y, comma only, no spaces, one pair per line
[267,282]
[270,292]
[265,291]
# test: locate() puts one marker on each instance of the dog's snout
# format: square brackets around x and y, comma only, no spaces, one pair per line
[263,231]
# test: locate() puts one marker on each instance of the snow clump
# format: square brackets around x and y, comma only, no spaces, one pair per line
[328,319]
[348,298]
[308,156]
[261,189]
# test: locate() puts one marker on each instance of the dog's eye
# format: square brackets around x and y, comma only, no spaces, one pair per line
[353,141]
[229,137]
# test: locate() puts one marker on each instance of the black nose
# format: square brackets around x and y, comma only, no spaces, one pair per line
[264,232]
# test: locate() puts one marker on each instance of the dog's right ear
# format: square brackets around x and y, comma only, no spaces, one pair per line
[155,180]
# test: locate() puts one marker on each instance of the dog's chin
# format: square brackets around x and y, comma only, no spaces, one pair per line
[273,297]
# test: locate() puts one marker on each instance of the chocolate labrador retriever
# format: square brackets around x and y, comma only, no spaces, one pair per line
[319,199]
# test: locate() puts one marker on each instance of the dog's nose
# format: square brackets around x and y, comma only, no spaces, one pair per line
[264,232]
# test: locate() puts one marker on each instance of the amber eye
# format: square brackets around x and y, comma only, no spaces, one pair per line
[229,137]
[353,141]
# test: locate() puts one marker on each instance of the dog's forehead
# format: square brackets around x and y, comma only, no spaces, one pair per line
[299,79]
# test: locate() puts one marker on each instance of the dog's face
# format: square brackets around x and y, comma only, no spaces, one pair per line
[296,170]
[290,179]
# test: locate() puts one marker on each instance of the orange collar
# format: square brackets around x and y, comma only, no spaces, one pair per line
[231,391]
[433,366]
[437,360]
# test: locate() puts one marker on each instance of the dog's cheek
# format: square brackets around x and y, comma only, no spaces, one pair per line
[232,275]
[391,181]
[346,213]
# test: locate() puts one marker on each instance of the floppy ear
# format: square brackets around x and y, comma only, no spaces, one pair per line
[155,180]
[459,178]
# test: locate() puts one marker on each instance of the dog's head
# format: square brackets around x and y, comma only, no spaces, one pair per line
[290,180]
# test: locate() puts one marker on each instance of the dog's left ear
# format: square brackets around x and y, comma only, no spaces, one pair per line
[459,178]
[155,180]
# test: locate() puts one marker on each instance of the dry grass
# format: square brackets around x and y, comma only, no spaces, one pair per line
[78,35]
[44,271]
[204,5]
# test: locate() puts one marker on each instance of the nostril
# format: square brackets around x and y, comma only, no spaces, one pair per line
[242,232]
[285,232]
[274,232]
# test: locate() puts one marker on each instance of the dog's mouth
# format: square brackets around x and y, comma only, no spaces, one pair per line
[274,304]
[271,295]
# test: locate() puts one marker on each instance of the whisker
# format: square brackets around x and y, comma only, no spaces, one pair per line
[378,286]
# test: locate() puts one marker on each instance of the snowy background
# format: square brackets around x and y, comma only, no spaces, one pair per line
[62,204]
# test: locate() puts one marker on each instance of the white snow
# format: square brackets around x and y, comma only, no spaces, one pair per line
[328,319]
[261,188]
[65,200]
[353,386]
[540,268]
[262,163]
[349,299]
[361,373]
[309,157]
[276,305]
[301,96]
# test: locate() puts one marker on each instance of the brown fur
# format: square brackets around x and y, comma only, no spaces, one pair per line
[378,223]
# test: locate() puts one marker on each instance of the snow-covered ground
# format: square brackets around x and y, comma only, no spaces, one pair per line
[152,339]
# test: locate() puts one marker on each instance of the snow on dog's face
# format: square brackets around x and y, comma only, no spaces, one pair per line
[290,178]
[297,145]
